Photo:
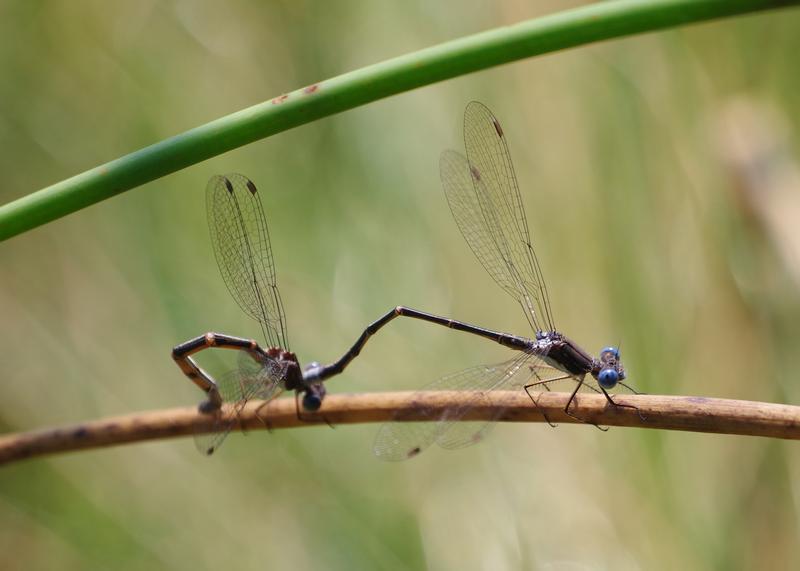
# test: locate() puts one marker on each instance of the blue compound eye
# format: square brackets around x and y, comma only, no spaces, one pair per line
[608,378]
[311,401]
[613,350]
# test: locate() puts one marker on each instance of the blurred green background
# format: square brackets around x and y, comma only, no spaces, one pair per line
[659,177]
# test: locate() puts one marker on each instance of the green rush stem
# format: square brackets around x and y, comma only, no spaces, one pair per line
[584,25]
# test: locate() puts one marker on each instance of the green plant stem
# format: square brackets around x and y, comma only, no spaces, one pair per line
[601,21]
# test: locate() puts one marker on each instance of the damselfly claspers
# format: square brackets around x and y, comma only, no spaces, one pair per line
[240,237]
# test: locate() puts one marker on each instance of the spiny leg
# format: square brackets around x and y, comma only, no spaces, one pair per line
[580,383]
[543,383]
[572,398]
[182,356]
[630,388]
[636,408]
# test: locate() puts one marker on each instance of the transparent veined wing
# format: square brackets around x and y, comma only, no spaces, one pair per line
[456,433]
[240,236]
[485,200]
[251,380]
[400,439]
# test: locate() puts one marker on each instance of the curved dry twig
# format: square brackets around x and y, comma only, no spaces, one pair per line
[694,414]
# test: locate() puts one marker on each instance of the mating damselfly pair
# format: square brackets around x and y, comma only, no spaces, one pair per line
[482,191]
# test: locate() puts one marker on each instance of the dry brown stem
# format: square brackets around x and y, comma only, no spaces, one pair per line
[696,414]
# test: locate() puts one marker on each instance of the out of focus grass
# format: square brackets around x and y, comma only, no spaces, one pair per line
[635,217]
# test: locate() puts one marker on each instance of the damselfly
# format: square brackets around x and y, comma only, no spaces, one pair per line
[243,251]
[484,197]
[485,200]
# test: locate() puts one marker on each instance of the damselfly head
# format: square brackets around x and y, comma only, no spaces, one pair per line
[208,407]
[608,378]
[312,398]
[609,370]
[611,351]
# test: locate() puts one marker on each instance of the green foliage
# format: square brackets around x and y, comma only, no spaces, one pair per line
[641,235]
[546,34]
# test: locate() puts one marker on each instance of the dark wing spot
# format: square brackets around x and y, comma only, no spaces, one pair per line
[251,187]
[497,127]
[310,89]
[229,186]
[413,452]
